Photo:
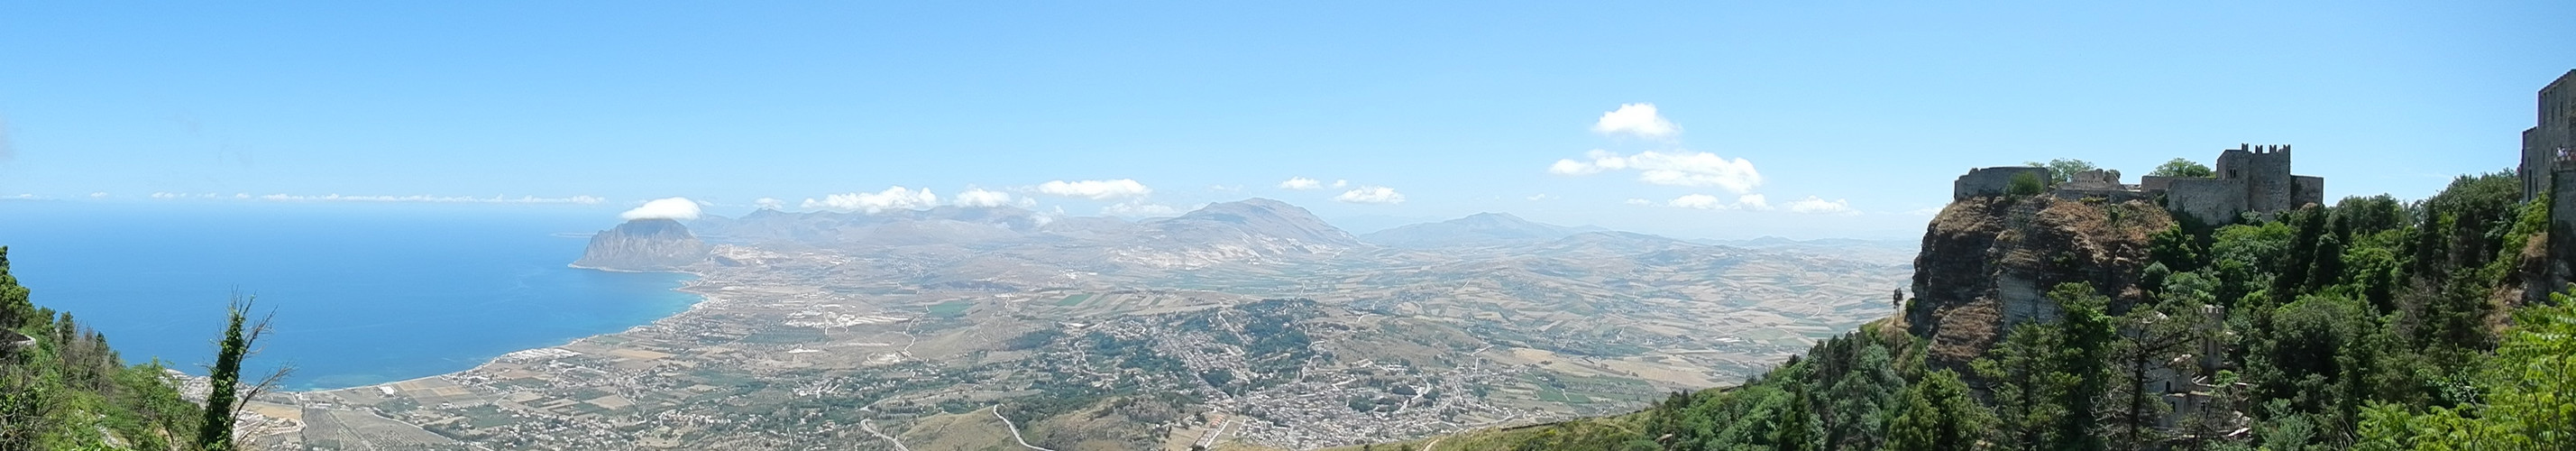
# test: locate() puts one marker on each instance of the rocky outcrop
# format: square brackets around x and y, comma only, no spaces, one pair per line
[643,245]
[1987,261]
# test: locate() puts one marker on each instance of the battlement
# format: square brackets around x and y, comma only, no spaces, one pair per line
[2262,149]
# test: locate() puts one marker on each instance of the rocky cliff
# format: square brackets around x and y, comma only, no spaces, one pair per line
[643,245]
[1986,262]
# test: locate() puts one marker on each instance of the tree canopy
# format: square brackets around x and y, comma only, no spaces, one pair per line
[2183,168]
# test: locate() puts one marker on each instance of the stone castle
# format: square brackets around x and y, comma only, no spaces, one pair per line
[2247,179]
[2547,143]
[2549,166]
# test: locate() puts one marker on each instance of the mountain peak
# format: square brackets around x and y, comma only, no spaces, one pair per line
[643,244]
[1260,216]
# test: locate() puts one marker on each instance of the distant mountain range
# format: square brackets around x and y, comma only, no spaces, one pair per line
[1246,230]
[1474,230]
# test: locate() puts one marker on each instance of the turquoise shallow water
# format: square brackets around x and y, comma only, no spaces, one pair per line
[363,293]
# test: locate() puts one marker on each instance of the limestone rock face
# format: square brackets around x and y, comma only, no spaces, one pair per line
[1988,261]
[643,245]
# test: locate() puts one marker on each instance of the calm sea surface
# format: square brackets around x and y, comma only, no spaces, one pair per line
[363,293]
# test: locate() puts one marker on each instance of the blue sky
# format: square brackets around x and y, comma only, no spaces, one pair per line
[1870,109]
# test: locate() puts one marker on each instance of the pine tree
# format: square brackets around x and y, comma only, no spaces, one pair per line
[1797,424]
[1937,415]
[2088,333]
[2025,385]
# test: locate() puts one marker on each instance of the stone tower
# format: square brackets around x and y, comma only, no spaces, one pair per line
[2545,142]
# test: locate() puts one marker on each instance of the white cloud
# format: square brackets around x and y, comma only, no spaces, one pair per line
[893,198]
[1225,188]
[1699,201]
[1818,205]
[1371,195]
[1541,196]
[98,195]
[1571,167]
[1638,119]
[1753,202]
[663,208]
[1097,189]
[1708,202]
[1636,201]
[1341,183]
[1139,210]
[1682,168]
[1301,183]
[770,203]
[977,197]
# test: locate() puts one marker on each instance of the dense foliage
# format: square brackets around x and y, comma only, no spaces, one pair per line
[2183,167]
[2373,324]
[62,388]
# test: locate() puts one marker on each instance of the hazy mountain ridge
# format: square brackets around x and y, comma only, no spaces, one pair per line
[1473,230]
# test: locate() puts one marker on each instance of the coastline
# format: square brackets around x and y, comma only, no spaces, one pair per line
[692,286]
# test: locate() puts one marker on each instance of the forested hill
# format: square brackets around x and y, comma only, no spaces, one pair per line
[2047,324]
[62,388]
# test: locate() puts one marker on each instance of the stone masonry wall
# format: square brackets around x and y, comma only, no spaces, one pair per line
[2267,181]
[2562,225]
[1991,181]
[2307,190]
[2212,201]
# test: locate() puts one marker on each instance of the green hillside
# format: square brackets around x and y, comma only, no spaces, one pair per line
[63,388]
[2372,324]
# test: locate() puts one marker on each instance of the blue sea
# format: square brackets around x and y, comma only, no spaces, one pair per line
[362,293]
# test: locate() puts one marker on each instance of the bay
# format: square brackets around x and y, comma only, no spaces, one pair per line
[362,293]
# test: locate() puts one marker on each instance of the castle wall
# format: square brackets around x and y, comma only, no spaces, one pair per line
[2535,163]
[2154,183]
[1992,181]
[2562,225]
[2212,201]
[2306,190]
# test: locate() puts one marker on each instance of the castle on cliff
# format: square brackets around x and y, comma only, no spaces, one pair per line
[2247,179]
[2549,166]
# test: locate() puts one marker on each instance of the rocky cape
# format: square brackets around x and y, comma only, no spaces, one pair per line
[650,244]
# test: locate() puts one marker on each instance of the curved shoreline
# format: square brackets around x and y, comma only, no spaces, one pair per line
[690,286]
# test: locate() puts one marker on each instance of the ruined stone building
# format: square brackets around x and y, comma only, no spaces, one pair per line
[2248,179]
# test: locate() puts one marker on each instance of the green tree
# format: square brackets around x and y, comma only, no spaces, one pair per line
[2026,383]
[228,391]
[1938,415]
[2151,341]
[2089,332]
[2183,168]
[1797,429]
[2063,170]
[2026,185]
[2530,395]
